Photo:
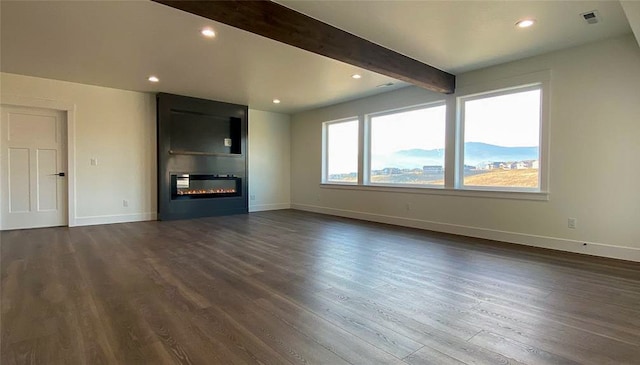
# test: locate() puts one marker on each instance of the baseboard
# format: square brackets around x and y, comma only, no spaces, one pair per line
[562,244]
[116,218]
[263,207]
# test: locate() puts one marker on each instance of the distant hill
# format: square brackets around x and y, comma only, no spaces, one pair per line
[475,153]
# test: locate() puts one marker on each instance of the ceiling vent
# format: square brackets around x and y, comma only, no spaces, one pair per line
[591,17]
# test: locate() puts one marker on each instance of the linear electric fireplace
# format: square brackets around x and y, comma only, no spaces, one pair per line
[202,158]
[192,186]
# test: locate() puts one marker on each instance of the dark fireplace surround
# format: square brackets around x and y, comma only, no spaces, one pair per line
[202,157]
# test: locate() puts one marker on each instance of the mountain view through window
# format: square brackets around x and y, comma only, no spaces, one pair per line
[408,147]
[500,137]
[501,140]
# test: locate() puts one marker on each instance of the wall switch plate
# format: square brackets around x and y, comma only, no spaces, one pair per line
[125,203]
[94,161]
[227,142]
[252,197]
[572,223]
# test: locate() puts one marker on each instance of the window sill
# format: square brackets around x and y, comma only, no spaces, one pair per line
[435,190]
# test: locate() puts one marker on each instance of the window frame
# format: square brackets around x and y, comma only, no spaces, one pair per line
[454,143]
[367,145]
[325,151]
[535,81]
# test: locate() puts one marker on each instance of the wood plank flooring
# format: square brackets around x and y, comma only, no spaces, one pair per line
[290,287]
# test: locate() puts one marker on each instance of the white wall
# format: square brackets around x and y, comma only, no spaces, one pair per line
[594,168]
[269,160]
[119,129]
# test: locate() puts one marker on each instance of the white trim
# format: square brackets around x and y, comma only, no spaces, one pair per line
[533,84]
[435,190]
[406,109]
[70,109]
[325,144]
[554,243]
[365,145]
[116,218]
[451,141]
[264,207]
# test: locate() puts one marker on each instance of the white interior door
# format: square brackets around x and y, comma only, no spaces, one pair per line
[32,154]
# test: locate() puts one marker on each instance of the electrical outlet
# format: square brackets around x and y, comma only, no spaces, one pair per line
[408,207]
[572,223]
[94,161]
[125,203]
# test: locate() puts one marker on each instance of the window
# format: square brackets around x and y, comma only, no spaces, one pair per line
[488,140]
[501,132]
[407,147]
[341,151]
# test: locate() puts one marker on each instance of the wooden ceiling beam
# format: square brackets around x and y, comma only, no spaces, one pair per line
[288,26]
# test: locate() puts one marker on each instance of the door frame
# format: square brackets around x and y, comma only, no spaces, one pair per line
[70,110]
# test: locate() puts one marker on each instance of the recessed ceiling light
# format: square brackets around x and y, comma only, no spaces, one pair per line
[525,23]
[153,79]
[208,32]
[276,101]
[356,76]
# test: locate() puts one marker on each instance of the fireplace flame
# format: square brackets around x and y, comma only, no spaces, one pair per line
[206,191]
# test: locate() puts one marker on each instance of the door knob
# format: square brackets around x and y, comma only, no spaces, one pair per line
[61,174]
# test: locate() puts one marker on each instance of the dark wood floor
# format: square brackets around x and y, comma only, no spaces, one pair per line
[289,287]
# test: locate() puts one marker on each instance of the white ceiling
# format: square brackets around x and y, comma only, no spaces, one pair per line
[119,44]
[459,36]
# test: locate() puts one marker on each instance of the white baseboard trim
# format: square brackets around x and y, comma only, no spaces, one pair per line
[116,218]
[263,207]
[561,244]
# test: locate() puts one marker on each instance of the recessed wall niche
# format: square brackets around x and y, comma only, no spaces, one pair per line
[202,157]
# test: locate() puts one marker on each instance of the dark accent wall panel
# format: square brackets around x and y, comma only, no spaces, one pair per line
[200,137]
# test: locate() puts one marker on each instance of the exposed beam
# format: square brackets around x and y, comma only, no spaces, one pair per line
[288,26]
